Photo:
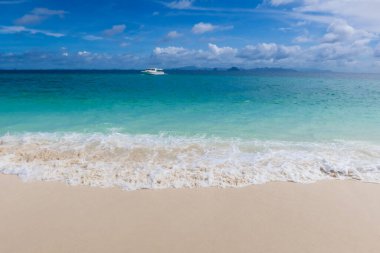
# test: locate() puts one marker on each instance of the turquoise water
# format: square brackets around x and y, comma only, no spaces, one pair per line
[295,107]
[298,111]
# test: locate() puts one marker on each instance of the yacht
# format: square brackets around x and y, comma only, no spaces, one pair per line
[154,71]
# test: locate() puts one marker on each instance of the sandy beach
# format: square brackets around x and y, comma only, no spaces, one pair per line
[329,216]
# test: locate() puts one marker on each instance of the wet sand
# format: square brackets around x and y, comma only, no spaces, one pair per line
[329,216]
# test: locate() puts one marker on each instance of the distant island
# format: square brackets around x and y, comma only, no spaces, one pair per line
[235,69]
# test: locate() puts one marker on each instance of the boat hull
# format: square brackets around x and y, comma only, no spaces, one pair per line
[153,74]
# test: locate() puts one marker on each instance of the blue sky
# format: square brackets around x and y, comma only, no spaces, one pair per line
[317,34]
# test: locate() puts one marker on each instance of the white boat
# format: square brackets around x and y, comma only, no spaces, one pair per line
[154,71]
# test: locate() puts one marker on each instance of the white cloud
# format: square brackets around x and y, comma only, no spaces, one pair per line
[302,39]
[221,50]
[83,53]
[37,15]
[280,2]
[203,28]
[22,29]
[179,56]
[268,51]
[173,35]
[337,31]
[181,4]
[215,56]
[169,50]
[116,29]
[340,31]
[338,53]
[351,28]
[363,14]
[92,37]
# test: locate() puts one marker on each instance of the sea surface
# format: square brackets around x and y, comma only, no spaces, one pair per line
[189,129]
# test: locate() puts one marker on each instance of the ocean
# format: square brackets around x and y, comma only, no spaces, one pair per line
[189,128]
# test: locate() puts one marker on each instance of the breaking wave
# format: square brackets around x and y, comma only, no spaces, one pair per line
[163,161]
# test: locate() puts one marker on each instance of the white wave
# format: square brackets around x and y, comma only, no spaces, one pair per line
[161,161]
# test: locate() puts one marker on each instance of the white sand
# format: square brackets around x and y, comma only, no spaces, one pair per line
[331,216]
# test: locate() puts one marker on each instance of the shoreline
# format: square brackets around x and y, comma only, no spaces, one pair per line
[155,161]
[326,216]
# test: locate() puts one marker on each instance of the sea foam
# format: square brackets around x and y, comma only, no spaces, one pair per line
[163,161]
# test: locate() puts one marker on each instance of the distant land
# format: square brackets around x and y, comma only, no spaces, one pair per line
[233,69]
[261,70]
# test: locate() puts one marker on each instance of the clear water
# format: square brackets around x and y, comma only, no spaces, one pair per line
[325,125]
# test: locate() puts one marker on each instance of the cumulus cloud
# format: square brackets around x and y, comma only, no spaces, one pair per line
[116,29]
[22,29]
[341,57]
[341,31]
[342,44]
[249,55]
[218,51]
[173,35]
[169,51]
[212,52]
[38,15]
[181,4]
[177,56]
[201,28]
[337,31]
[268,51]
